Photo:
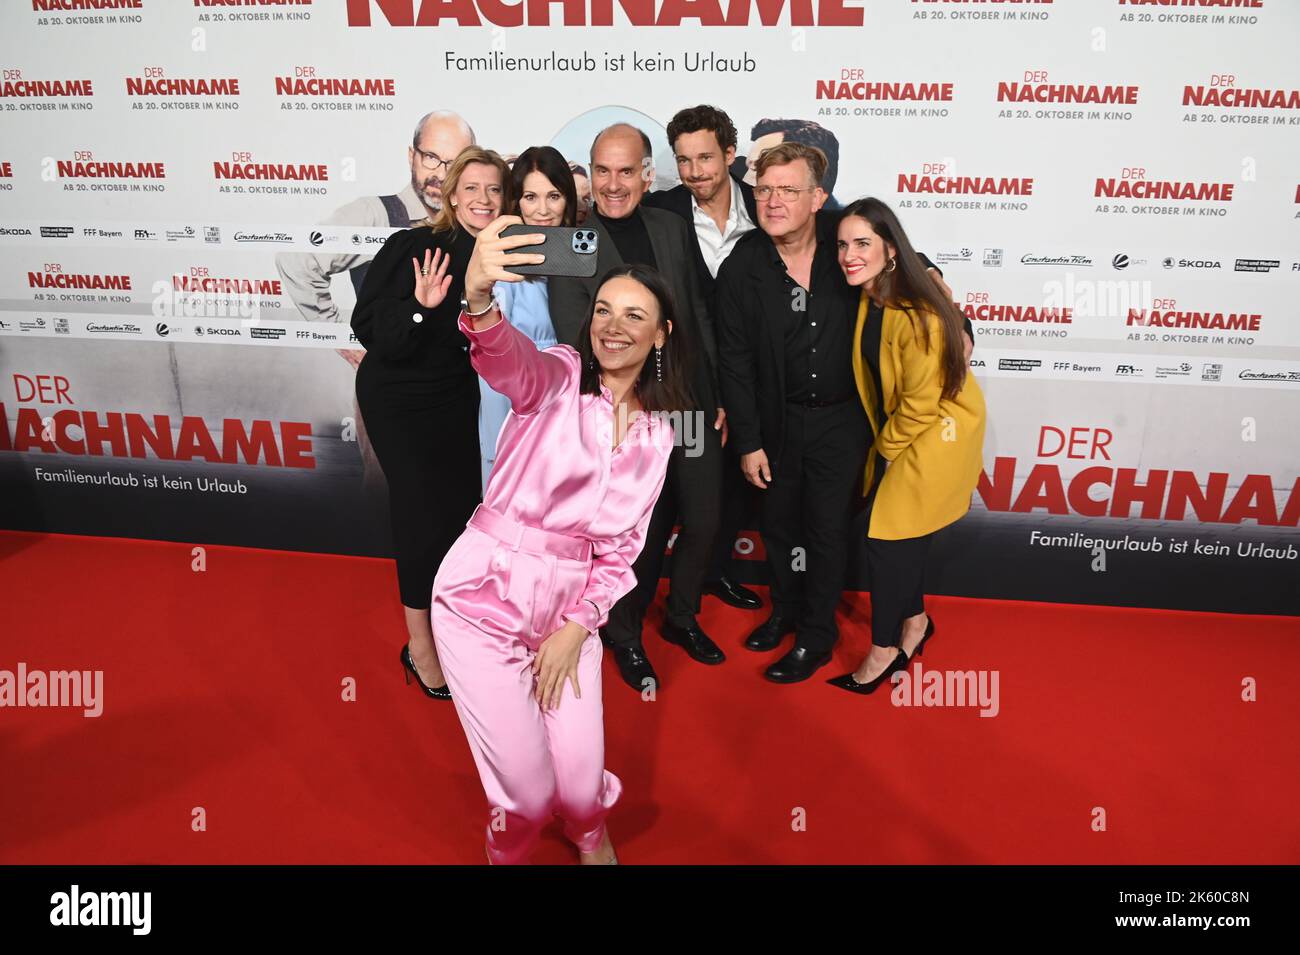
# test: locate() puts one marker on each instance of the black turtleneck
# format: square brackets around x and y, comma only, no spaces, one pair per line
[631,238]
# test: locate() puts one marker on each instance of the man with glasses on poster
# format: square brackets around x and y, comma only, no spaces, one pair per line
[439,137]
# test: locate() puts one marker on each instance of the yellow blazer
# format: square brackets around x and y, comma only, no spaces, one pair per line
[934,446]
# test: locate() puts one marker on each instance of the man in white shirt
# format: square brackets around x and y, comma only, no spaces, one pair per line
[719,220]
[719,207]
[720,210]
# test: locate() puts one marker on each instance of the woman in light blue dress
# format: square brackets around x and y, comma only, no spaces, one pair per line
[545,195]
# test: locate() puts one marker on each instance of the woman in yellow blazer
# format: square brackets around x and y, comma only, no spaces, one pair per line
[927,413]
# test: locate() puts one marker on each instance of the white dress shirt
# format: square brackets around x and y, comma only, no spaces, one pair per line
[716,245]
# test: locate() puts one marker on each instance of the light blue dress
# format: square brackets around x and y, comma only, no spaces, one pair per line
[527,307]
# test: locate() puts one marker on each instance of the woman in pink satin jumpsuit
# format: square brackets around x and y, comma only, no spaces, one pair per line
[518,600]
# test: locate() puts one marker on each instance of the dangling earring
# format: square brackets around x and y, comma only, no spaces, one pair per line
[893,264]
[592,364]
[659,364]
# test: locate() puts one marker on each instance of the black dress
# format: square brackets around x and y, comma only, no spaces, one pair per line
[418,395]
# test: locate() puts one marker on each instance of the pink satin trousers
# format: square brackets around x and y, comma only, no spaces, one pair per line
[500,592]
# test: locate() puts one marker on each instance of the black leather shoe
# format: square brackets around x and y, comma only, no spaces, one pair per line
[408,667]
[847,682]
[797,665]
[694,641]
[929,632]
[769,634]
[634,666]
[732,594]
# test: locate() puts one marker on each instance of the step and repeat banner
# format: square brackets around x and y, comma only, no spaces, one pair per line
[187,188]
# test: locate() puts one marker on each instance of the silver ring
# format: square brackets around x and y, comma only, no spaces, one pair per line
[424,271]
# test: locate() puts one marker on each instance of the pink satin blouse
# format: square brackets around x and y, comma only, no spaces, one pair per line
[556,467]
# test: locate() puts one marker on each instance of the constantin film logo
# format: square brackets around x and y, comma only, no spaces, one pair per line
[1290,376]
[1072,261]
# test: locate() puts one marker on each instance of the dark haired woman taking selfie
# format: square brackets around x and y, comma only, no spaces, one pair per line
[518,601]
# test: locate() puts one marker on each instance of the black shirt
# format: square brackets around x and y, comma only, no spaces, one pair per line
[818,327]
[427,360]
[871,355]
[630,238]
[761,342]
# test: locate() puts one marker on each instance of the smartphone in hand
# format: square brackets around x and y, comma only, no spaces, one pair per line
[569,250]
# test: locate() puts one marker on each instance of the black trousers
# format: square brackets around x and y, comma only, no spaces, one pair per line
[808,505]
[740,505]
[692,492]
[897,579]
[430,458]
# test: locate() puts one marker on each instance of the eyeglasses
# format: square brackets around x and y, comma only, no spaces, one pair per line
[430,161]
[784,193]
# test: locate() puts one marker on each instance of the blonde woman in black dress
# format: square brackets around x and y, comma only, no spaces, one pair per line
[418,393]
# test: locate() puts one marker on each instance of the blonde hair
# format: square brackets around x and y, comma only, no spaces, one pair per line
[783,154]
[445,220]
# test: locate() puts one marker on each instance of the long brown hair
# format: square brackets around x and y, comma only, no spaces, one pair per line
[907,286]
[445,220]
[673,392]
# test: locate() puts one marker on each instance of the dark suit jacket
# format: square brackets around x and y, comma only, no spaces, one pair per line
[674,246]
[678,200]
[752,369]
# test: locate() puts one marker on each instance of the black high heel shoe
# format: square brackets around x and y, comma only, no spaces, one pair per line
[846,682]
[408,666]
[929,632]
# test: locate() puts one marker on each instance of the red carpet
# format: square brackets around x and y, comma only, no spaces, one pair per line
[222,690]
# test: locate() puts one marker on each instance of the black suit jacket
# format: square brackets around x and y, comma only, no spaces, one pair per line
[753,349]
[570,298]
[678,201]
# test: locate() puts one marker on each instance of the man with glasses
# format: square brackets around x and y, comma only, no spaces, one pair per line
[439,138]
[772,132]
[785,321]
